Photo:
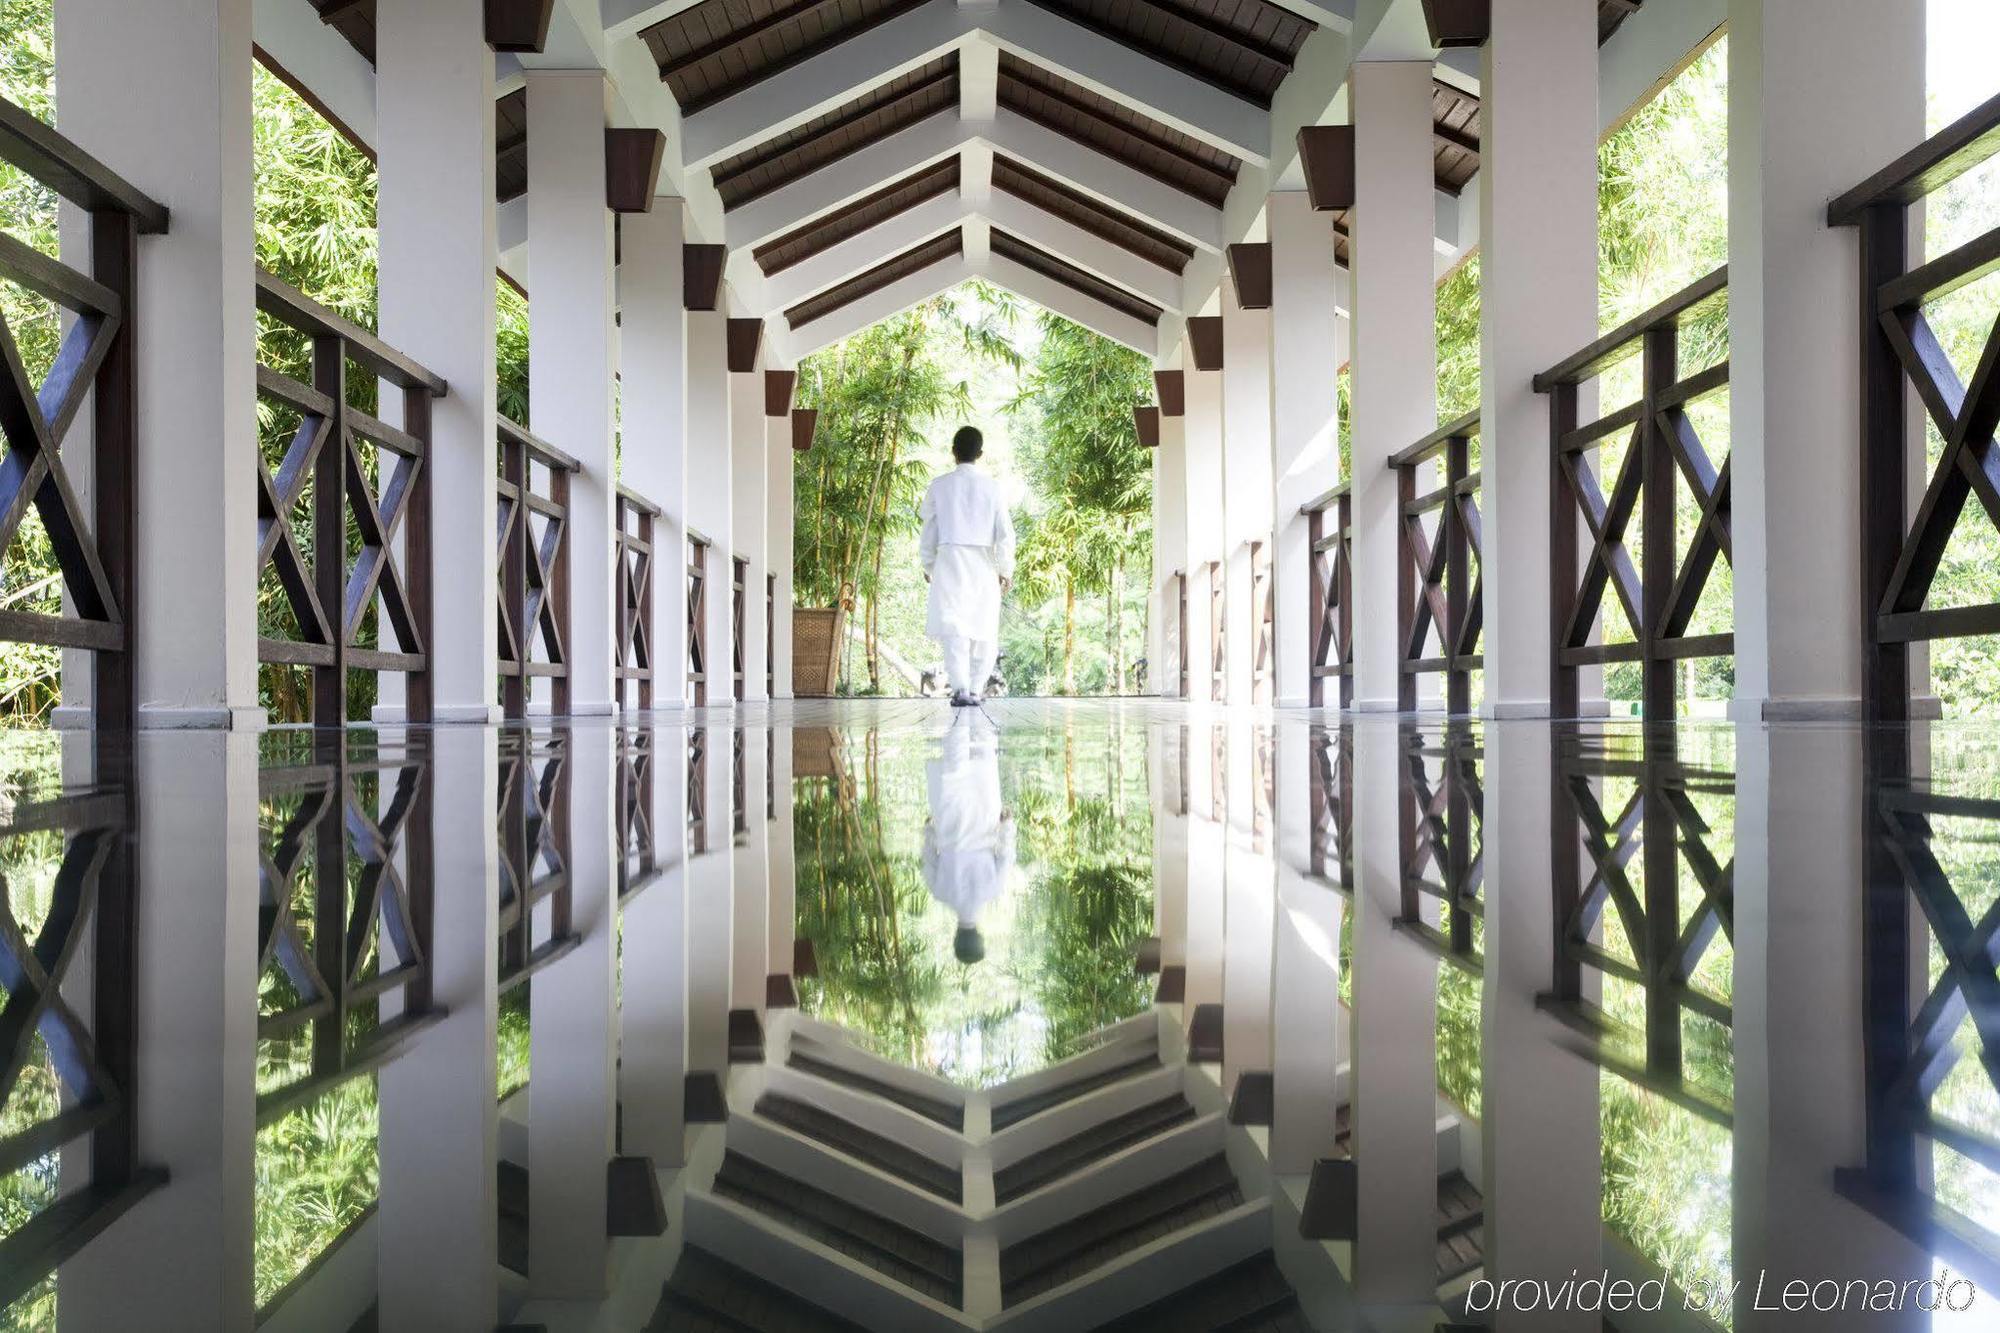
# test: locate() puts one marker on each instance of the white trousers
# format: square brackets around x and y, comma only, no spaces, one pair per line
[968,663]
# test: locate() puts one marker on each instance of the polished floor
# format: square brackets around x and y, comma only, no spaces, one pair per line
[1055,1016]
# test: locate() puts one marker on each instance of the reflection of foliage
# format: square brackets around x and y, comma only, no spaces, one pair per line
[1458,1034]
[316,1175]
[1666,1184]
[512,1050]
[1087,921]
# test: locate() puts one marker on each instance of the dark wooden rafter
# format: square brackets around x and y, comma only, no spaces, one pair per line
[851,220]
[948,246]
[632,168]
[723,47]
[519,26]
[1250,274]
[1244,47]
[1170,387]
[532,504]
[805,422]
[701,275]
[1455,23]
[1012,248]
[779,386]
[1204,338]
[1147,421]
[1095,216]
[510,146]
[745,340]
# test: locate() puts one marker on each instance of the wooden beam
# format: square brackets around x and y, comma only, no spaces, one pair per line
[1171,390]
[1456,138]
[701,275]
[519,26]
[1250,274]
[632,169]
[1147,419]
[1326,153]
[805,420]
[746,337]
[778,386]
[1458,22]
[1204,335]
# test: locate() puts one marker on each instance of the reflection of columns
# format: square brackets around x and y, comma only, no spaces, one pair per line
[1538,122]
[1170,549]
[1206,855]
[1394,1087]
[435,218]
[1395,343]
[435,1231]
[1308,1041]
[182,1258]
[708,477]
[778,546]
[1304,425]
[1205,492]
[1249,889]
[709,917]
[1801,132]
[652,425]
[782,868]
[1246,451]
[1167,770]
[572,355]
[747,518]
[1799,1031]
[653,986]
[571,1102]
[1538,1100]
[184,138]
[750,932]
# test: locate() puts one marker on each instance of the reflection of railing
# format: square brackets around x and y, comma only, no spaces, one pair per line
[1659,601]
[344,920]
[1901,549]
[1218,662]
[1659,818]
[1440,813]
[534,854]
[90,917]
[1437,588]
[697,790]
[533,499]
[697,612]
[1910,1050]
[635,519]
[638,852]
[368,479]
[97,358]
[1332,854]
[739,792]
[1330,614]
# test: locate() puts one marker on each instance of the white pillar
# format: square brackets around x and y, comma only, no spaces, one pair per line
[436,1229]
[1538,126]
[652,1012]
[1308,1040]
[439,247]
[184,139]
[1246,451]
[1205,491]
[778,546]
[708,477]
[572,1051]
[1395,343]
[1170,551]
[1822,94]
[652,357]
[1305,421]
[747,516]
[572,353]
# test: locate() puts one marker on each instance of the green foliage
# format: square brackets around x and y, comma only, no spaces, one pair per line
[1458,341]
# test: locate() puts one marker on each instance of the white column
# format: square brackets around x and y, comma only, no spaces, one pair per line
[436,1229]
[1170,552]
[1395,343]
[572,355]
[747,516]
[435,217]
[708,478]
[572,1051]
[1538,125]
[1246,452]
[1822,94]
[652,1013]
[1308,1040]
[184,139]
[1539,1123]
[778,546]
[1305,421]
[652,358]
[1205,490]
[182,1259]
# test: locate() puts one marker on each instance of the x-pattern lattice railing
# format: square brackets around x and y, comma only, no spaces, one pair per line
[1332,800]
[92,543]
[1218,633]
[534,854]
[1659,596]
[636,520]
[355,571]
[638,850]
[1330,613]
[697,618]
[739,792]
[739,573]
[1263,648]
[1439,600]
[1658,823]
[532,498]
[344,916]
[697,790]
[1177,610]
[1441,816]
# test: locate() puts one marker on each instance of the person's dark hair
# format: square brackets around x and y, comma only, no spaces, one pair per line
[968,444]
[968,945]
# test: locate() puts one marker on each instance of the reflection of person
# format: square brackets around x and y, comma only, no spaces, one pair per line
[968,554]
[969,838]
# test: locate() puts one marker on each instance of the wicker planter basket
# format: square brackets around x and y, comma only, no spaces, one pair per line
[816,638]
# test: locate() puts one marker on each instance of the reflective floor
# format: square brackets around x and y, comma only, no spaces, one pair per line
[893,1016]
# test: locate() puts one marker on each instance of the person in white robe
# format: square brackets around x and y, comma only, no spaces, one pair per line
[967,551]
[968,845]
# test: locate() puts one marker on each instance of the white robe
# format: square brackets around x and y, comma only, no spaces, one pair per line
[967,548]
[968,842]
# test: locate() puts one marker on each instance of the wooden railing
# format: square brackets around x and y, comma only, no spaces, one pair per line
[370,486]
[697,790]
[1218,632]
[697,622]
[1179,611]
[1902,547]
[638,849]
[1263,601]
[93,547]
[1440,813]
[1332,801]
[1438,595]
[534,854]
[532,495]
[1658,600]
[739,609]
[635,520]
[770,636]
[1330,612]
